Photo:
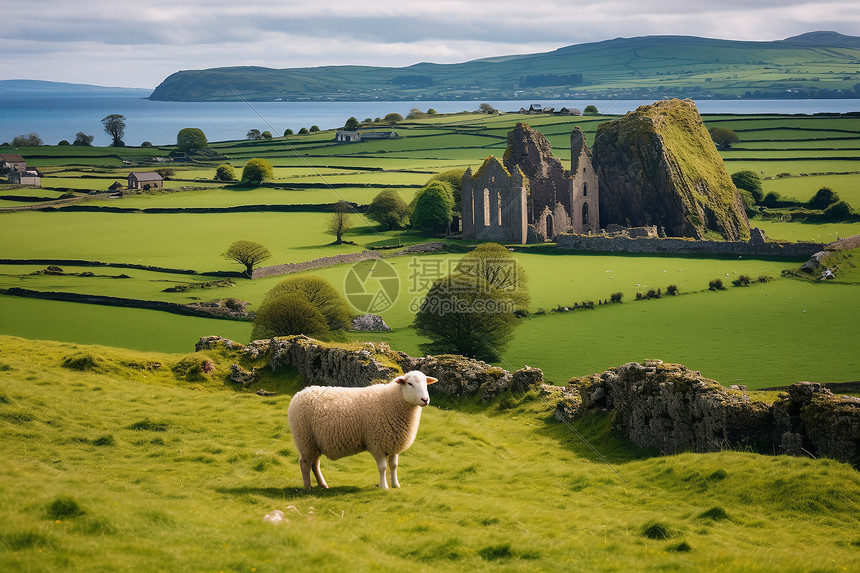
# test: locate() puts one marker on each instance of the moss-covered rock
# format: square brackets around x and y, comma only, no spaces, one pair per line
[658,166]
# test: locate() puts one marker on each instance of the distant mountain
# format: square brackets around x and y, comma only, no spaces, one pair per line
[813,65]
[39,86]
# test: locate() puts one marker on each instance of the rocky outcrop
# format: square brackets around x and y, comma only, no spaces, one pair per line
[328,365]
[658,166]
[369,322]
[672,408]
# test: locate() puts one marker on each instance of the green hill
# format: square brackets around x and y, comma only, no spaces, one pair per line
[813,65]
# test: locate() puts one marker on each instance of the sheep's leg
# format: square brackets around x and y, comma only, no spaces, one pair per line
[382,464]
[318,474]
[392,467]
[306,467]
[306,472]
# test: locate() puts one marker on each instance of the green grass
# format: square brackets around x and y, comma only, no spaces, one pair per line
[126,469]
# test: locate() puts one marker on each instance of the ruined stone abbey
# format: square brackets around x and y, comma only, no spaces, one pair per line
[530,197]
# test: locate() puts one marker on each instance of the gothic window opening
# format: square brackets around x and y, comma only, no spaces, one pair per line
[486,207]
[584,214]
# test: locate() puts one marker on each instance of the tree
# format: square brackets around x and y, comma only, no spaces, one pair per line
[256,171]
[314,129]
[723,137]
[839,211]
[351,124]
[225,172]
[288,132]
[393,118]
[166,172]
[82,138]
[191,138]
[254,134]
[433,208]
[750,181]
[340,221]
[303,131]
[487,108]
[823,198]
[454,178]
[32,140]
[290,313]
[114,125]
[466,316]
[590,110]
[494,265]
[318,292]
[247,253]
[146,144]
[388,209]
[64,142]
[266,134]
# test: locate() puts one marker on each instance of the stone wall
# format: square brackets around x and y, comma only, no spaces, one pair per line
[682,246]
[328,365]
[673,409]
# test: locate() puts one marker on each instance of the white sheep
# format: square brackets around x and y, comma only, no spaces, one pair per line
[381,419]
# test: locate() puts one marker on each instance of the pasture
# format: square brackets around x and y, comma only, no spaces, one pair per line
[114,464]
[313,169]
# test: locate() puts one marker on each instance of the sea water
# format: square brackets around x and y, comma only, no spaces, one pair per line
[58,116]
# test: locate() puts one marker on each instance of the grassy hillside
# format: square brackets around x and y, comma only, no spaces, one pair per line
[125,461]
[813,65]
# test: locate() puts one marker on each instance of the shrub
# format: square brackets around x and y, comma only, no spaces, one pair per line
[823,198]
[225,172]
[266,135]
[82,361]
[716,284]
[764,279]
[288,132]
[314,129]
[64,142]
[303,131]
[146,144]
[749,181]
[272,319]
[590,110]
[654,293]
[771,199]
[616,297]
[656,530]
[393,118]
[256,171]
[433,210]
[837,212]
[672,290]
[741,281]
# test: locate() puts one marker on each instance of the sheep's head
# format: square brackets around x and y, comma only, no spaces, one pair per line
[413,385]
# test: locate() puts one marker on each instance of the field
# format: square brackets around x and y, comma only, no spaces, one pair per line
[796,155]
[112,464]
[115,464]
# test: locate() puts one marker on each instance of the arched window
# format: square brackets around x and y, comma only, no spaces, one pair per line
[499,205]
[585,214]
[585,189]
[486,207]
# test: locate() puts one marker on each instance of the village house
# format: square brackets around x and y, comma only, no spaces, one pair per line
[145,180]
[27,177]
[12,161]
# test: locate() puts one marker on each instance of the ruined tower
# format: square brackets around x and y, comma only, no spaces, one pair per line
[584,200]
[494,203]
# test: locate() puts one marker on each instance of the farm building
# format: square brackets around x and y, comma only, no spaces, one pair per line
[146,180]
[12,161]
[25,177]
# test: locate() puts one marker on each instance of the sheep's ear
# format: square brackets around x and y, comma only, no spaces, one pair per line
[400,380]
[431,380]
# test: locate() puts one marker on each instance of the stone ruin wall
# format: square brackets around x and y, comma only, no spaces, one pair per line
[656,405]
[680,246]
[674,409]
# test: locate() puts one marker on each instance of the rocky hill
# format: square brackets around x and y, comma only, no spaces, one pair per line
[658,166]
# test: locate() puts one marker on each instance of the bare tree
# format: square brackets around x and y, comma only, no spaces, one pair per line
[340,222]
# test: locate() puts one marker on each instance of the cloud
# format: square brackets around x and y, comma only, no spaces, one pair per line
[139,44]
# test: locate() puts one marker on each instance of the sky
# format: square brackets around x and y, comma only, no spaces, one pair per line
[138,44]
